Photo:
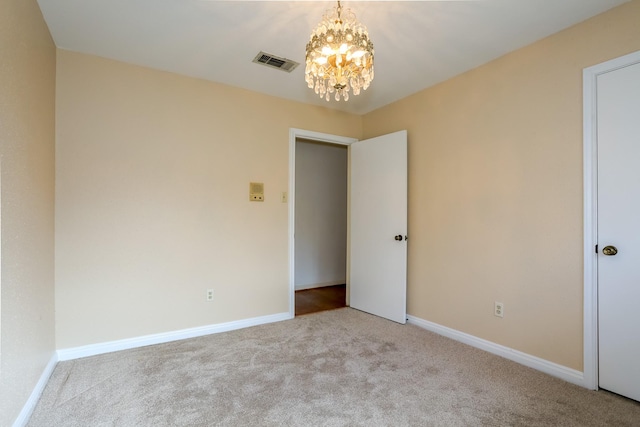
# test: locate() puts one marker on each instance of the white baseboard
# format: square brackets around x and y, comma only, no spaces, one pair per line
[553,369]
[125,344]
[320,285]
[31,403]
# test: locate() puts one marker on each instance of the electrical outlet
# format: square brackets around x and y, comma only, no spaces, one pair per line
[498,309]
[209,294]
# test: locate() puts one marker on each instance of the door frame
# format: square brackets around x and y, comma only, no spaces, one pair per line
[590,198]
[295,134]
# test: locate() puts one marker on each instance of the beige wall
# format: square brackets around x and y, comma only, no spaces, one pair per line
[495,199]
[152,203]
[27,100]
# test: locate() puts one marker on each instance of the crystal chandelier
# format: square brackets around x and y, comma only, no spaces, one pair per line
[339,56]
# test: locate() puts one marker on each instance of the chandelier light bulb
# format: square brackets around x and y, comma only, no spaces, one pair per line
[339,56]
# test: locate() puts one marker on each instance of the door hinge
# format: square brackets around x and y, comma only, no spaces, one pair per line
[596,248]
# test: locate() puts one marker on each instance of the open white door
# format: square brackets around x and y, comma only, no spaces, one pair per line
[378,226]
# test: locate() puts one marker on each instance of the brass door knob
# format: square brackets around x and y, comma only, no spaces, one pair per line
[609,250]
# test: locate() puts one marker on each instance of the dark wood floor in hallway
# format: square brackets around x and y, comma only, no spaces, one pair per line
[320,299]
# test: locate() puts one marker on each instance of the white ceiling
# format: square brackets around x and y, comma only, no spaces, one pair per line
[417,43]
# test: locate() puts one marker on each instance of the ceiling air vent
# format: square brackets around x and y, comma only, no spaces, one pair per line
[273,61]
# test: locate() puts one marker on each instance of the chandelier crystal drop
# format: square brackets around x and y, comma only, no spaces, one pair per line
[339,56]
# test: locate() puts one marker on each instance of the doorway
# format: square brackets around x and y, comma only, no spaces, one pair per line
[377,226]
[612,297]
[318,260]
[320,226]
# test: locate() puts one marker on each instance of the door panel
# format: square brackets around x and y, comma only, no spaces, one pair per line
[618,124]
[378,213]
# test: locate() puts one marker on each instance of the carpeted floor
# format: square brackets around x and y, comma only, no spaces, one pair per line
[334,368]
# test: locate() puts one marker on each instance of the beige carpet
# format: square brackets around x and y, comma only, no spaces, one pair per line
[335,368]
